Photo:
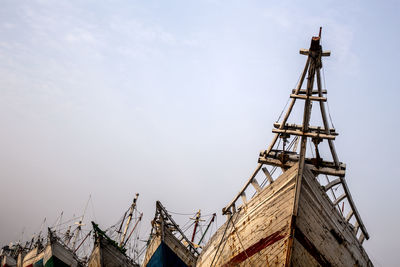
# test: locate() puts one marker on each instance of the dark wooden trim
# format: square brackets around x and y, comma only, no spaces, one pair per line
[307,245]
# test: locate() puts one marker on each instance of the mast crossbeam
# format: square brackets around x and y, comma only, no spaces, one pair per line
[312,133]
[331,131]
[326,169]
[305,97]
[306,52]
[304,92]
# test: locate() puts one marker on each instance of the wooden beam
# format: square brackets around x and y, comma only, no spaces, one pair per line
[332,183]
[255,184]
[325,120]
[354,208]
[312,98]
[303,92]
[361,238]
[293,156]
[307,134]
[348,217]
[306,52]
[288,126]
[356,227]
[339,199]
[268,175]
[322,170]
[328,171]
[243,196]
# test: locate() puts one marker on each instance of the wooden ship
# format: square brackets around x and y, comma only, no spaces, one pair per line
[303,213]
[54,253]
[9,255]
[110,253]
[168,245]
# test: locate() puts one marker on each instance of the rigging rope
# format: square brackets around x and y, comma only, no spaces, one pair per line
[230,218]
[240,240]
[327,104]
[178,213]
[283,110]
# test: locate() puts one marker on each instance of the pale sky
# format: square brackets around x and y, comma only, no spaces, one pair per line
[175,99]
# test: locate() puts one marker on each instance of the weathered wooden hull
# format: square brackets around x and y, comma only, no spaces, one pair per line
[321,235]
[56,255]
[165,256]
[20,258]
[265,232]
[106,255]
[167,251]
[8,261]
[258,233]
[33,258]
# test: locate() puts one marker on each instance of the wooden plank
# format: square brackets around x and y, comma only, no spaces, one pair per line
[362,238]
[243,196]
[343,196]
[349,215]
[255,184]
[325,120]
[268,175]
[288,126]
[306,52]
[356,227]
[307,134]
[312,98]
[332,183]
[354,208]
[288,164]
[303,92]
[293,156]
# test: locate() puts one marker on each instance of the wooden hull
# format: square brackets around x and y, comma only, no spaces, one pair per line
[321,235]
[56,255]
[167,251]
[33,258]
[106,255]
[8,261]
[266,232]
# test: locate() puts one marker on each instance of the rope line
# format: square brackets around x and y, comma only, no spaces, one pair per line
[327,104]
[222,239]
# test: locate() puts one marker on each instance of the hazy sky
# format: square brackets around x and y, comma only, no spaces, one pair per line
[175,99]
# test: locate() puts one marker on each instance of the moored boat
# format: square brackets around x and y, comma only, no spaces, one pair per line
[302,214]
[58,254]
[8,256]
[168,245]
[110,253]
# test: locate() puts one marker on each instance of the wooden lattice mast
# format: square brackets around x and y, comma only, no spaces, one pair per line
[285,159]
